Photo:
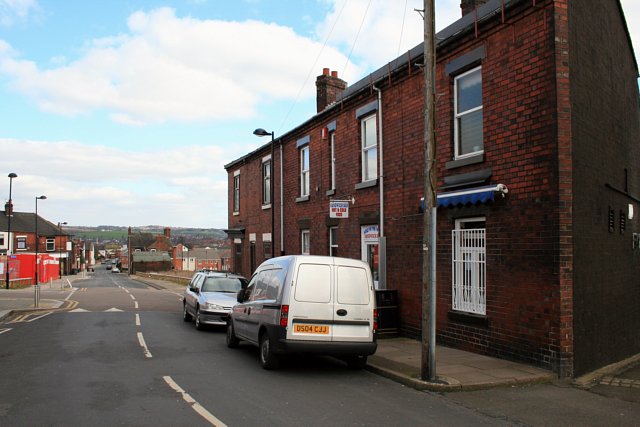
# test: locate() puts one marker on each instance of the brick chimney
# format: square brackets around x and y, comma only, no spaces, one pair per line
[328,87]
[468,6]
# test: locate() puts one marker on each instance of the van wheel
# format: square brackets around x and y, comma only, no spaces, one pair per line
[357,362]
[267,358]
[185,314]
[199,325]
[232,340]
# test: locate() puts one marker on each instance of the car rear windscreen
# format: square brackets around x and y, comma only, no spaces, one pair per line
[313,283]
[353,285]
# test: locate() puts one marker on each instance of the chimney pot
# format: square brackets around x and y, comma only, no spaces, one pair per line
[334,74]
[325,71]
[469,6]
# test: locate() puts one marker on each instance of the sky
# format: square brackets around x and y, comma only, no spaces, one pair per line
[124,112]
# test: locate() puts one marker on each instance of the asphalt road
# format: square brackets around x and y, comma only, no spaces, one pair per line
[124,356]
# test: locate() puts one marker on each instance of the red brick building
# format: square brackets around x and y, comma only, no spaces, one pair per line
[538,163]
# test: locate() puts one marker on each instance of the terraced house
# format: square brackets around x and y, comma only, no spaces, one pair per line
[538,163]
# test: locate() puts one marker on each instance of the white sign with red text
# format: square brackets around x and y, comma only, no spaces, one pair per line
[338,209]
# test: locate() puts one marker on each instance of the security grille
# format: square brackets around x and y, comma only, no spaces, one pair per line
[469,271]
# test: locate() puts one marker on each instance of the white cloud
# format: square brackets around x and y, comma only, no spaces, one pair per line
[91,185]
[12,10]
[389,28]
[173,69]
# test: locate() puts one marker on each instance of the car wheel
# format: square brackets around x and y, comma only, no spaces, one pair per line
[185,314]
[267,358]
[199,324]
[357,362]
[232,340]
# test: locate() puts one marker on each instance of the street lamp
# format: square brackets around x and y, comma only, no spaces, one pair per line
[262,132]
[37,237]
[60,224]
[9,239]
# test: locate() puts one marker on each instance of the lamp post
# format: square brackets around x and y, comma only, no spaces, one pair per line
[37,237]
[262,132]
[60,224]
[9,239]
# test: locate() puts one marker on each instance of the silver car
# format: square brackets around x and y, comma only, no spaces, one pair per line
[209,297]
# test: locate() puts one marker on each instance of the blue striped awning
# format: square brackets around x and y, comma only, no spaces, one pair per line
[469,196]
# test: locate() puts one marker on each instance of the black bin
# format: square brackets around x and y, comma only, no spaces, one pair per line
[387,304]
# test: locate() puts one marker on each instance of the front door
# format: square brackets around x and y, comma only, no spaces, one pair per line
[369,236]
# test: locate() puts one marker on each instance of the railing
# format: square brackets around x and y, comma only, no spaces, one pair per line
[469,272]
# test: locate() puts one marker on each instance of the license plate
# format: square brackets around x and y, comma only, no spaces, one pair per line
[311,329]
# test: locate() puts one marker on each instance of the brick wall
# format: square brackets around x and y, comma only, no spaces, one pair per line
[605,129]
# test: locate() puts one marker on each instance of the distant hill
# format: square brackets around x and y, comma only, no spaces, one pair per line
[106,233]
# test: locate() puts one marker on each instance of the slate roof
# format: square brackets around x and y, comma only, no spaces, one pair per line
[25,222]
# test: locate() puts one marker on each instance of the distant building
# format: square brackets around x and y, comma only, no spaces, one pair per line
[18,251]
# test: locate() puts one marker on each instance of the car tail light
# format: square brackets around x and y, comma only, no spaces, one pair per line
[284,315]
[375,320]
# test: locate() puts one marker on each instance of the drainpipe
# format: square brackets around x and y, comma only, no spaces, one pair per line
[382,247]
[281,203]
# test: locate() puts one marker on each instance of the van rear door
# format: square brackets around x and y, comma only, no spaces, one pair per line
[311,303]
[354,303]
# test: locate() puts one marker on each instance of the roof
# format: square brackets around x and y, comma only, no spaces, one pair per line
[25,222]
[211,253]
[486,12]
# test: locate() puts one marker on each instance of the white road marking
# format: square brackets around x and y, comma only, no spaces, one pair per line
[2,331]
[132,297]
[147,353]
[71,293]
[136,304]
[208,416]
[112,309]
[79,310]
[39,317]
[137,319]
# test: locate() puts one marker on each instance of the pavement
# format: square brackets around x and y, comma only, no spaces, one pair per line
[397,358]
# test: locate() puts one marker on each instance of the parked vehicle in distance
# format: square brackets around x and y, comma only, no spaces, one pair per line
[109,266]
[115,269]
[307,304]
[209,297]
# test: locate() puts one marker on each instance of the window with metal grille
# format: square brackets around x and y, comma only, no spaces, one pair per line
[469,270]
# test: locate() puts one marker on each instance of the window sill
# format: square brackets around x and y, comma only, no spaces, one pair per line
[468,318]
[330,192]
[265,207]
[366,184]
[302,199]
[472,160]
[236,213]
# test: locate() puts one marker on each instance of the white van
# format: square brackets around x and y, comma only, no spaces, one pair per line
[307,304]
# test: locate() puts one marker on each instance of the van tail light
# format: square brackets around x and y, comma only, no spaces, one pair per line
[375,320]
[284,316]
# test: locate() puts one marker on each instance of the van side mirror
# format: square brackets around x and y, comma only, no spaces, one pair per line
[240,296]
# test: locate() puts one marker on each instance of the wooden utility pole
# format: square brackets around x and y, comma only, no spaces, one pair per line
[427,366]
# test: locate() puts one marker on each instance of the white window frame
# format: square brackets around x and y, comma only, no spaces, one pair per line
[332,164]
[236,192]
[266,182]
[4,240]
[50,241]
[304,173]
[305,242]
[469,267]
[23,240]
[333,241]
[458,115]
[369,147]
